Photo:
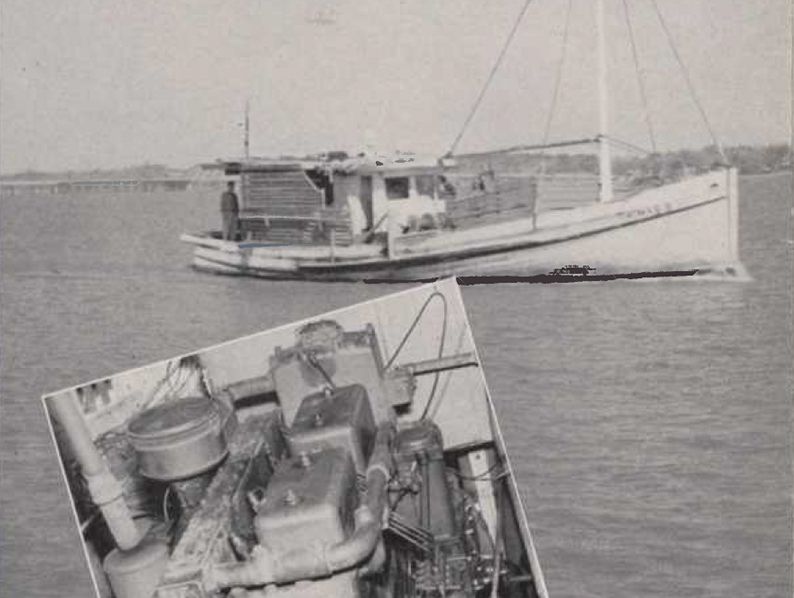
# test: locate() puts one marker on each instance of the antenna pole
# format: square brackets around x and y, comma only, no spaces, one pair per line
[247,130]
[604,158]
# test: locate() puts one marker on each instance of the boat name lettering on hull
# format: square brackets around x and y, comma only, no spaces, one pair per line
[649,211]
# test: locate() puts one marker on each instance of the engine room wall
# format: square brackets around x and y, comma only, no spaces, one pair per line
[465,385]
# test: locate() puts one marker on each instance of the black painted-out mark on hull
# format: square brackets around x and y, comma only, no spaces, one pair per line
[540,278]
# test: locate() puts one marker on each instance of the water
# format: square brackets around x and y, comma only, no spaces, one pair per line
[649,422]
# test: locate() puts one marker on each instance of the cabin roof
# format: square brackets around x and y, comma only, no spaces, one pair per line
[336,162]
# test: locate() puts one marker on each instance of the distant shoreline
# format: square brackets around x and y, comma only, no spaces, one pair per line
[750,159]
[780,172]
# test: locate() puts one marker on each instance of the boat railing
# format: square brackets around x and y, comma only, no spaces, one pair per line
[304,229]
[484,196]
[500,195]
[292,218]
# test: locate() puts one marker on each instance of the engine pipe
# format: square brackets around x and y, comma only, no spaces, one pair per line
[104,488]
[442,364]
[259,385]
[250,387]
[309,562]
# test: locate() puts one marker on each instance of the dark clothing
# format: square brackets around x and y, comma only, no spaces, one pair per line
[229,211]
[230,225]
[229,202]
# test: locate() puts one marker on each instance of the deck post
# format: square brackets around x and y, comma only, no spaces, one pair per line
[333,244]
[534,195]
[604,158]
[389,236]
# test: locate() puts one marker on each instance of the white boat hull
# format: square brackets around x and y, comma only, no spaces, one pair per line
[684,228]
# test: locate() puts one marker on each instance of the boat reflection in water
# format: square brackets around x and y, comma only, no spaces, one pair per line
[353,454]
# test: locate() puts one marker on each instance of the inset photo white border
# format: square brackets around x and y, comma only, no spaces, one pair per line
[182,473]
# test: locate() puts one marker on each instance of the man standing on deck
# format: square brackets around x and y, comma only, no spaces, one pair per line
[229,212]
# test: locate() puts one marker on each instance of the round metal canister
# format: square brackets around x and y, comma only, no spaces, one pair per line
[178,439]
[421,443]
[420,437]
[136,573]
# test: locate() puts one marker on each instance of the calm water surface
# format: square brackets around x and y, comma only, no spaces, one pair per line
[649,422]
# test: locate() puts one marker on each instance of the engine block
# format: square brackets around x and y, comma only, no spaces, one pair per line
[336,418]
[308,500]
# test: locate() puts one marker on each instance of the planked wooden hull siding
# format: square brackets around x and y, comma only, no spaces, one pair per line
[285,195]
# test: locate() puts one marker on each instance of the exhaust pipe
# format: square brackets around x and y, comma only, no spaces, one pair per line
[104,488]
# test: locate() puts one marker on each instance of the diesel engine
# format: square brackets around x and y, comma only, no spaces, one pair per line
[330,491]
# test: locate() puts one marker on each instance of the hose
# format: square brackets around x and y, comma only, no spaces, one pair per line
[407,335]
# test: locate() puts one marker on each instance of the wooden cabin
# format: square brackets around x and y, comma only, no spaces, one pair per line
[341,200]
[350,199]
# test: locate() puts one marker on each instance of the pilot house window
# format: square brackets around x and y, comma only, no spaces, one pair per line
[398,187]
[426,185]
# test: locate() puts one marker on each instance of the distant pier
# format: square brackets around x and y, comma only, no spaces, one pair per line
[11,188]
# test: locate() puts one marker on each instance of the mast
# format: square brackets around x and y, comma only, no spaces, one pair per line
[246,139]
[604,158]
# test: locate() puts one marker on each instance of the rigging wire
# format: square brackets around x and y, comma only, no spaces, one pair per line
[626,144]
[688,80]
[413,325]
[640,79]
[557,81]
[491,75]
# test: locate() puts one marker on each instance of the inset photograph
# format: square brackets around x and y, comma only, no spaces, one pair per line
[357,453]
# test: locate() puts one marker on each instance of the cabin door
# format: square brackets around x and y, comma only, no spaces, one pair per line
[365,194]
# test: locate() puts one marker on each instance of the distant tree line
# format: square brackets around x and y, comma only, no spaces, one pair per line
[748,159]
[665,165]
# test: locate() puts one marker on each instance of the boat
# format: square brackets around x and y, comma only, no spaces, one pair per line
[357,453]
[403,217]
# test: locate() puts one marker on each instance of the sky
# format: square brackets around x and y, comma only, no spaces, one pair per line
[91,84]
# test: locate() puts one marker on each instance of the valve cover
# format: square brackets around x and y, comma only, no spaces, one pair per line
[308,501]
[339,418]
